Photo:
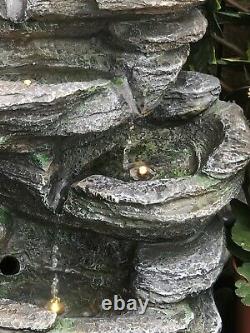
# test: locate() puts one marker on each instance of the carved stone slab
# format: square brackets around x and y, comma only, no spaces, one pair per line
[145,4]
[190,95]
[159,33]
[167,272]
[90,267]
[23,316]
[197,315]
[20,10]
[64,108]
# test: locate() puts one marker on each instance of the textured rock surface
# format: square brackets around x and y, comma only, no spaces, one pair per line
[144,4]
[153,210]
[198,315]
[232,154]
[153,35]
[83,87]
[191,94]
[170,207]
[150,75]
[23,316]
[64,108]
[52,29]
[88,54]
[167,272]
[20,10]
[90,267]
[207,316]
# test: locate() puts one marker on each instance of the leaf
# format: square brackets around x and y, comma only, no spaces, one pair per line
[234,60]
[214,5]
[238,15]
[213,60]
[243,291]
[244,271]
[241,228]
[243,286]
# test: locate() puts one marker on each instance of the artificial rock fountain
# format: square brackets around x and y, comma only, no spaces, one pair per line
[91,91]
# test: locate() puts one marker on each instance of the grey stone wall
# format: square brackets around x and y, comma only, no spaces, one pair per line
[90,92]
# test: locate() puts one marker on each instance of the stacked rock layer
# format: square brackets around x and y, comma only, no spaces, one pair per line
[92,93]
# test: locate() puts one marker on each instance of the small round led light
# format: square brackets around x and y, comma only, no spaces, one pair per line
[27,82]
[55,305]
[143,170]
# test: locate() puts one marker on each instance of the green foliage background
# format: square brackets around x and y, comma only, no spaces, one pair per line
[225,53]
[225,50]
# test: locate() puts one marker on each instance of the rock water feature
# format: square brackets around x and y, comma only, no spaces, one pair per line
[114,165]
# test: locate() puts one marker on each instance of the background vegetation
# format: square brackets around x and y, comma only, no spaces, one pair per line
[225,53]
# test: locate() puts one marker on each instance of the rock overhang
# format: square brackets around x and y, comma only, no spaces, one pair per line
[175,206]
[21,10]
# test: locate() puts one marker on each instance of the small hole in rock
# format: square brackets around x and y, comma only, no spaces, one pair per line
[9,265]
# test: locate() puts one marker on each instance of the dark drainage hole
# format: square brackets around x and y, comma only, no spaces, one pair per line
[9,265]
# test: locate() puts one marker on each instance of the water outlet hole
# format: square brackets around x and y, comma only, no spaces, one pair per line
[10,265]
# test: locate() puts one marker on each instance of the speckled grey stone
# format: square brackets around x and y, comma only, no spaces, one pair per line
[146,4]
[52,29]
[232,154]
[153,210]
[90,267]
[64,108]
[159,33]
[23,316]
[85,54]
[21,10]
[170,207]
[169,272]
[207,318]
[85,89]
[15,9]
[190,95]
[197,315]
[149,75]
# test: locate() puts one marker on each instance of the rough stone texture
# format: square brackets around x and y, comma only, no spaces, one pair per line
[144,4]
[23,316]
[232,155]
[169,272]
[191,94]
[40,169]
[14,9]
[170,207]
[74,75]
[58,29]
[207,316]
[154,210]
[154,35]
[90,267]
[197,315]
[169,320]
[21,10]
[150,75]
[84,54]
[65,108]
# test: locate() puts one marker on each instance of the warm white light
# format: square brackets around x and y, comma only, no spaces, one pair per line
[55,305]
[27,82]
[143,170]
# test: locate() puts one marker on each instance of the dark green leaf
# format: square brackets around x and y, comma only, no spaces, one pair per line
[241,228]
